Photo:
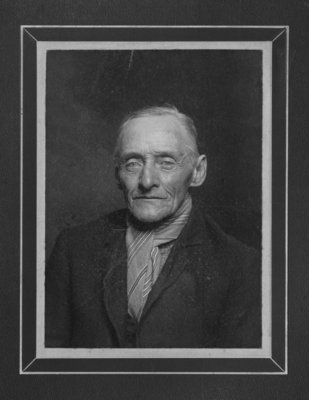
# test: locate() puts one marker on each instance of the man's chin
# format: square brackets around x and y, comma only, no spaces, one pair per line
[147,219]
[148,216]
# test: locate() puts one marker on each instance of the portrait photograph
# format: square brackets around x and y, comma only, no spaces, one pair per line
[154,206]
[154,200]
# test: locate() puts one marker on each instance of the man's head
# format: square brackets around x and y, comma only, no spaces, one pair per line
[157,160]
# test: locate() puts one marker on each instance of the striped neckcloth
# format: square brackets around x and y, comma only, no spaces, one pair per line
[144,264]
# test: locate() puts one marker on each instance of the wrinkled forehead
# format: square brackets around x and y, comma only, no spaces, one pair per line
[162,131]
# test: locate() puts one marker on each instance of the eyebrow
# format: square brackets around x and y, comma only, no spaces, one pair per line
[163,153]
[127,156]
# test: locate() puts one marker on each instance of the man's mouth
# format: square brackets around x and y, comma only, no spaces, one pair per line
[148,198]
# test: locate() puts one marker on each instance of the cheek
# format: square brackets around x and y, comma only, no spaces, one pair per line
[128,181]
[176,184]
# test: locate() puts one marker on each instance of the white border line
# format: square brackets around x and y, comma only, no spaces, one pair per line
[287,196]
[21,189]
[21,201]
[41,184]
[267,197]
[30,35]
[158,26]
[265,351]
[151,373]
[167,45]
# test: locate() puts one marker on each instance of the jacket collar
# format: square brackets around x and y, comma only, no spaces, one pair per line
[184,255]
[115,282]
[194,235]
[191,235]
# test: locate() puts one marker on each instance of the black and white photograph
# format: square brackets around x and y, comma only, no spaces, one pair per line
[158,272]
[154,200]
[153,218]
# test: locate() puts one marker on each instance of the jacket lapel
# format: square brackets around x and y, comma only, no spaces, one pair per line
[189,251]
[115,281]
[186,253]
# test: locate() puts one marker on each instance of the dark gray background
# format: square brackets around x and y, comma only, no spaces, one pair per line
[87,93]
[295,385]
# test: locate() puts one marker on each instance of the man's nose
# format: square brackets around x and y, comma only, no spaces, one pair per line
[148,177]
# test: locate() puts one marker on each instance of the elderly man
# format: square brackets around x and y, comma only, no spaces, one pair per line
[158,274]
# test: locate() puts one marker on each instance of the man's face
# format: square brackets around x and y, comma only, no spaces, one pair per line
[155,166]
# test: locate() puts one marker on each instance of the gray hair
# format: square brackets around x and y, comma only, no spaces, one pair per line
[151,111]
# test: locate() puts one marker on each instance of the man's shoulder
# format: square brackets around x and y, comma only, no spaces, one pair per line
[221,247]
[200,224]
[220,239]
[95,228]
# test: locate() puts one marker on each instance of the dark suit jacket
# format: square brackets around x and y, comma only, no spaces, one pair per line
[208,293]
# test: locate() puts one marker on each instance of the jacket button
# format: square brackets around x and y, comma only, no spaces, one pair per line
[131,328]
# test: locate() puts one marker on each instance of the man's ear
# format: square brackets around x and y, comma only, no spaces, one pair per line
[199,172]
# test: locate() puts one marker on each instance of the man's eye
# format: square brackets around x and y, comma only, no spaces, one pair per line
[132,165]
[167,163]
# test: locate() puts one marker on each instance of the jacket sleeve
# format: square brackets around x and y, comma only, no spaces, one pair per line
[58,296]
[240,325]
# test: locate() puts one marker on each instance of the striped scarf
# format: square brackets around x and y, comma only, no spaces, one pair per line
[144,258]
